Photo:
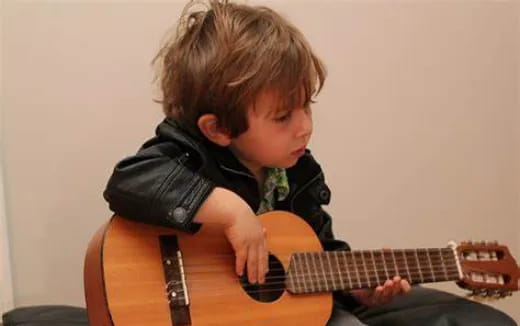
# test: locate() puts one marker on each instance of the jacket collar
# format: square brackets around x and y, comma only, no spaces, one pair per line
[224,157]
[227,161]
[305,169]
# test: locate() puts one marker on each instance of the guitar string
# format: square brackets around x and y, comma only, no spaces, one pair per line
[343,273]
[366,282]
[358,265]
[349,258]
[348,270]
[309,276]
[324,286]
[361,268]
[281,286]
[423,263]
[301,290]
[377,253]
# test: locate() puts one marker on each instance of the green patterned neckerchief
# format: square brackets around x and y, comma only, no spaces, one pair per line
[276,179]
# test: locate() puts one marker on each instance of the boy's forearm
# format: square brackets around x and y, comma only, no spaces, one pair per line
[221,207]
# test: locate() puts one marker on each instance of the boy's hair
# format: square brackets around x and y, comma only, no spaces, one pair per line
[222,57]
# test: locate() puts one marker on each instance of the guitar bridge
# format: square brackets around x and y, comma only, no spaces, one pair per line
[176,289]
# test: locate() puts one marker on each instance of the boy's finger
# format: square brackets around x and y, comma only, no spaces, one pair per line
[387,289]
[266,253]
[262,264]
[396,287]
[252,264]
[378,293]
[405,286]
[240,261]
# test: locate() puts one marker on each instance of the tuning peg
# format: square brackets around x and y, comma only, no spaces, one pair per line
[497,294]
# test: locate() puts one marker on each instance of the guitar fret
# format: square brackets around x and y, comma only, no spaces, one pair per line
[442,264]
[375,268]
[353,255]
[452,262]
[430,262]
[292,276]
[315,272]
[332,277]
[418,266]
[407,267]
[339,270]
[437,266]
[384,265]
[366,263]
[348,267]
[444,269]
[309,273]
[325,276]
[397,272]
[424,265]
[364,271]
[382,268]
[365,268]
[302,273]
[294,268]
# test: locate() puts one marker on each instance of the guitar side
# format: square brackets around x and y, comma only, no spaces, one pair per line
[125,283]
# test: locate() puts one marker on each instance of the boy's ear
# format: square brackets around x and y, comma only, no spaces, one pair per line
[208,125]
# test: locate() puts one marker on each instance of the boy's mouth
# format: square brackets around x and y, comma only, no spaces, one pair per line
[299,152]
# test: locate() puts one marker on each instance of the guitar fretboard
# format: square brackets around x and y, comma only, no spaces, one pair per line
[312,272]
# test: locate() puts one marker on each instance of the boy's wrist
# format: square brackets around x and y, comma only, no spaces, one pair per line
[223,207]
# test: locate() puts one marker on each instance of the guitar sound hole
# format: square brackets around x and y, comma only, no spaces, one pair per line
[273,287]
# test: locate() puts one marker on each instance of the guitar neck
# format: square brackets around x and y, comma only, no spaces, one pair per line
[313,272]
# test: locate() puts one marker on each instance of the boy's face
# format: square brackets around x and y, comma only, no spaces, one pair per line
[274,139]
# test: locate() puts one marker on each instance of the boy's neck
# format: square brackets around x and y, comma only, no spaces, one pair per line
[259,172]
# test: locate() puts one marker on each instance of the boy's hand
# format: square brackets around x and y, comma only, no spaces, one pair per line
[382,294]
[242,228]
[247,237]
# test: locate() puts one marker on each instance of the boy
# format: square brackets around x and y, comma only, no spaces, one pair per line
[237,84]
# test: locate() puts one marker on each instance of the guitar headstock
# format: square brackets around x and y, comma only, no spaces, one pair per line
[488,269]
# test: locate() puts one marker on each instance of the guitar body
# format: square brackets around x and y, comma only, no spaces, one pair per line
[125,282]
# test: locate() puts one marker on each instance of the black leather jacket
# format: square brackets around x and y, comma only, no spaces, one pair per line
[168,179]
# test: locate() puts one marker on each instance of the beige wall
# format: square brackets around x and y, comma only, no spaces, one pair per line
[417,128]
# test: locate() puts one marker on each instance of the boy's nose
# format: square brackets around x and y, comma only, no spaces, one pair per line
[304,120]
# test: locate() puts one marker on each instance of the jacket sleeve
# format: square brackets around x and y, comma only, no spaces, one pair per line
[159,185]
[326,236]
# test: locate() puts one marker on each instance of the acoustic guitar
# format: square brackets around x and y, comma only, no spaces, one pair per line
[142,275]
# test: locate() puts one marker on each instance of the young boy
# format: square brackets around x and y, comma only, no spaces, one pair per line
[237,84]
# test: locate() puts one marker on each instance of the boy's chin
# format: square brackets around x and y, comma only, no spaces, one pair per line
[285,165]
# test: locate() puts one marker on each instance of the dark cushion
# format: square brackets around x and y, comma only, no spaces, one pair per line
[429,307]
[48,315]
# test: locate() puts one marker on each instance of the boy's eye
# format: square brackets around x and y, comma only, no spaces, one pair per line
[284,117]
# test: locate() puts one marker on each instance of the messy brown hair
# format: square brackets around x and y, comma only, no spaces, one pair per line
[221,57]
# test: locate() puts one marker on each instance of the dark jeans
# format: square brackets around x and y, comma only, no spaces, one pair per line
[423,307]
